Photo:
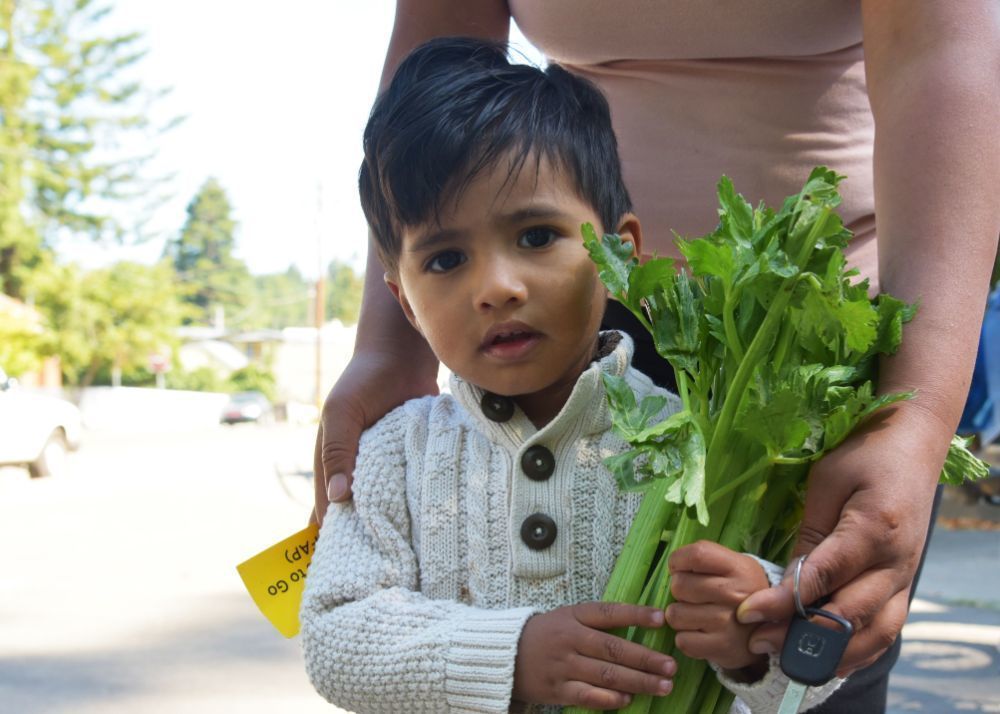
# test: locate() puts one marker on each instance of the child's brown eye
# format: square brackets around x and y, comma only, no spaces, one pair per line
[537,237]
[443,262]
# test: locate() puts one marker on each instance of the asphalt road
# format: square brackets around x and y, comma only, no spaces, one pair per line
[118,588]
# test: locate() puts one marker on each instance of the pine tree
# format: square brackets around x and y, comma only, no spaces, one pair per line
[67,102]
[203,256]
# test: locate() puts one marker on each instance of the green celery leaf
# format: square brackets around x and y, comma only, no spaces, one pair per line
[818,316]
[776,262]
[649,409]
[961,464]
[706,256]
[689,489]
[615,259]
[735,213]
[813,219]
[859,321]
[622,466]
[648,281]
[715,328]
[673,447]
[677,328]
[835,321]
[632,421]
[777,423]
[850,408]
[666,463]
[821,187]
[671,426]
[892,313]
[621,398]
[637,469]
[748,316]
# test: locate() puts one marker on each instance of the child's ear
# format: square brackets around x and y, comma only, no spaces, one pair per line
[630,230]
[397,292]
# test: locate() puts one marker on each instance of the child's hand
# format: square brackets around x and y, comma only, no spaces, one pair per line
[709,581]
[563,657]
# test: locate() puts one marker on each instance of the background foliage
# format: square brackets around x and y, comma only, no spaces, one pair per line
[70,102]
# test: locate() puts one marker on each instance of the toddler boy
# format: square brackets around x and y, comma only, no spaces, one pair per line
[465,575]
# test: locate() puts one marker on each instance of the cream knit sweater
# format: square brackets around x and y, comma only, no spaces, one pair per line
[419,588]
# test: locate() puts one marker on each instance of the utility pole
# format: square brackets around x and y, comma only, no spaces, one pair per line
[320,308]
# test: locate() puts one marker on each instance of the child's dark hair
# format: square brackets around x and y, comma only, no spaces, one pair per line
[454,107]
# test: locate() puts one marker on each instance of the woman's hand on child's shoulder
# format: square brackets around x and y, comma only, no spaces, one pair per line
[708,582]
[565,657]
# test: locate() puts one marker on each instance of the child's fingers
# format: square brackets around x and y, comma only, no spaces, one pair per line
[611,615]
[704,557]
[582,694]
[612,650]
[715,589]
[713,646]
[602,673]
[704,589]
[717,648]
[706,618]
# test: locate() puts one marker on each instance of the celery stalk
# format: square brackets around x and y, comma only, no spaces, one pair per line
[774,350]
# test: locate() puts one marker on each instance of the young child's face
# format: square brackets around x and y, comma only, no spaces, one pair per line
[502,287]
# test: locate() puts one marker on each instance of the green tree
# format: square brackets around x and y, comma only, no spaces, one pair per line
[110,319]
[203,256]
[200,379]
[343,293]
[21,345]
[254,378]
[67,101]
[280,299]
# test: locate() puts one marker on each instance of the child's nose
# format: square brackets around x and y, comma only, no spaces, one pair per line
[500,284]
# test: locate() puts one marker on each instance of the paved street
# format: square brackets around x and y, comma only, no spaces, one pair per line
[119,592]
[950,660]
[118,588]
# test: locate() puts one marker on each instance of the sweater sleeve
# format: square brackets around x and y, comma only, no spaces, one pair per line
[371,641]
[764,696]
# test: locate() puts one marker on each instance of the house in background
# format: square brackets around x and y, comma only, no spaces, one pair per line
[25,319]
[295,360]
[215,353]
[290,354]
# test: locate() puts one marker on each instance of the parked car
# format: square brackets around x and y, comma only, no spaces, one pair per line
[248,406]
[36,430]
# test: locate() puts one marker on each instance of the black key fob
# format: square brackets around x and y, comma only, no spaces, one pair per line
[812,652]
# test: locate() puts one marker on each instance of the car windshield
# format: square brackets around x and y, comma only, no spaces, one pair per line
[247,397]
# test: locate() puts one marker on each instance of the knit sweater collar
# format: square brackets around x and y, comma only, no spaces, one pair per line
[586,403]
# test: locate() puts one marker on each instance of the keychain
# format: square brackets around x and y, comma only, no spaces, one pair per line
[812,652]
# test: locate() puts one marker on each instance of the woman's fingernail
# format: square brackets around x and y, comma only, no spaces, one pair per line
[656,618]
[762,647]
[337,488]
[665,686]
[748,617]
[670,668]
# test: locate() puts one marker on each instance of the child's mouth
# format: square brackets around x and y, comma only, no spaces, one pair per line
[511,345]
[513,337]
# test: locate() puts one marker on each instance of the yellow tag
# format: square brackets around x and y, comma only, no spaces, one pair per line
[275,578]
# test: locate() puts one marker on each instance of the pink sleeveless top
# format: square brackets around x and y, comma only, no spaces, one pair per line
[759,90]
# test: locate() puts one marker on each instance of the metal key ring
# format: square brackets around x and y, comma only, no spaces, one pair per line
[795,588]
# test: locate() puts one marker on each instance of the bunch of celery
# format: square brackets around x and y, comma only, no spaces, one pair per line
[774,349]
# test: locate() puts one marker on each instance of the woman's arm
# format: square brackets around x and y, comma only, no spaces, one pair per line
[932,72]
[391,361]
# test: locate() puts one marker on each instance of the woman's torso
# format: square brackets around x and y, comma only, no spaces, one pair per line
[759,90]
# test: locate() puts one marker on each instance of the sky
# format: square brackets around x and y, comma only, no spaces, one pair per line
[275,102]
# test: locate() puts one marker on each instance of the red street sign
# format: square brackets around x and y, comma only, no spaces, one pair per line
[158,364]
